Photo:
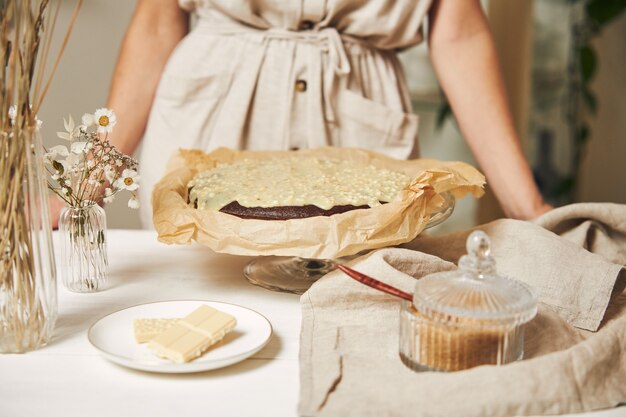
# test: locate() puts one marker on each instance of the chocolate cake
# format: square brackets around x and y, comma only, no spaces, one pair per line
[283,212]
[293,188]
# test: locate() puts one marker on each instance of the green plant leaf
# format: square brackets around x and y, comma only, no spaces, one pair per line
[590,100]
[582,134]
[443,113]
[58,166]
[588,62]
[566,187]
[603,11]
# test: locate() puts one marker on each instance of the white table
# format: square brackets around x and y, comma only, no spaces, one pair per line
[69,378]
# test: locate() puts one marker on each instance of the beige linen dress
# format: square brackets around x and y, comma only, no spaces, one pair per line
[285,74]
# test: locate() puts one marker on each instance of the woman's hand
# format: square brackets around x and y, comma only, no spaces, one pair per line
[55,205]
[545,207]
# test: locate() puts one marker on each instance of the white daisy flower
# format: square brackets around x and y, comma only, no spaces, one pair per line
[129,180]
[109,196]
[133,202]
[104,119]
[118,162]
[88,120]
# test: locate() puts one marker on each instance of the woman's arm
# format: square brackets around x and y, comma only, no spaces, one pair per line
[155,29]
[464,56]
[157,26]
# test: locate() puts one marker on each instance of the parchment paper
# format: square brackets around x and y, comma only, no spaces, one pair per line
[323,237]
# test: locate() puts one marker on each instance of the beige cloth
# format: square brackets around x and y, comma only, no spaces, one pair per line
[234,80]
[349,341]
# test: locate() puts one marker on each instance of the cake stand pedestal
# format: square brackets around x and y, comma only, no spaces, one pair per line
[295,275]
[287,274]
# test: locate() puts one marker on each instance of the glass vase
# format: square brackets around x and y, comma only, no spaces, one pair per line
[83,254]
[28,298]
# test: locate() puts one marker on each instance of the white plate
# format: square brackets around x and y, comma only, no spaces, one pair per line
[113,336]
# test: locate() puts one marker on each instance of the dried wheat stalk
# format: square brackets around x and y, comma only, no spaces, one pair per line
[23,27]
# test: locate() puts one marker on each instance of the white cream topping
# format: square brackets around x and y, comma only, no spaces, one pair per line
[295,181]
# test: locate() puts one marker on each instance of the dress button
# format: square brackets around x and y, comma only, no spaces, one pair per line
[301,86]
[306,25]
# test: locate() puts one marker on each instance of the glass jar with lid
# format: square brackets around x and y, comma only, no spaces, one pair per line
[466,318]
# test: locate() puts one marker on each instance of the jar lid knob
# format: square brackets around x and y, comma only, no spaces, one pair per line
[478,260]
[478,244]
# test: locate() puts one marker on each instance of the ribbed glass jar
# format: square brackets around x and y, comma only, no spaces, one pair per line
[466,318]
[432,345]
[83,251]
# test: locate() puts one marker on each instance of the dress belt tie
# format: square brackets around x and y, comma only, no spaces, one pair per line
[328,39]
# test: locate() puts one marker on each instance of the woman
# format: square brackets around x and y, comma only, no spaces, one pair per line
[270,74]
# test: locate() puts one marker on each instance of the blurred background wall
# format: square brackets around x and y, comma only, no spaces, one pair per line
[559,26]
[603,175]
[536,73]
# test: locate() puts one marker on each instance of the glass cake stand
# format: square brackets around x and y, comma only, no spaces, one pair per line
[295,275]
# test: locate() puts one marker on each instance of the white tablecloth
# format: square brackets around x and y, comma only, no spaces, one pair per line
[69,378]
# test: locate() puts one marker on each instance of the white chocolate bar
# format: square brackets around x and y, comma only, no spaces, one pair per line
[146,329]
[191,336]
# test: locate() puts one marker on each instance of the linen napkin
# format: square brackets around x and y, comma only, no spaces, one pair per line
[349,341]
